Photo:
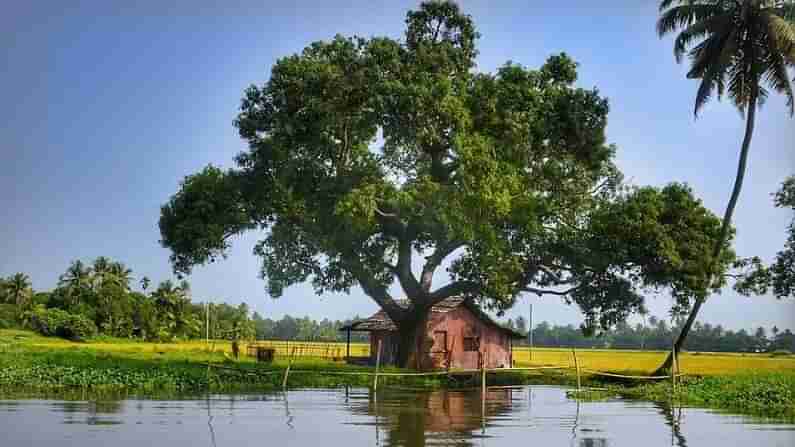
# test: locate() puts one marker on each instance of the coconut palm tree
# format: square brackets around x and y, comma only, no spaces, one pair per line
[101,269]
[75,281]
[17,290]
[120,275]
[740,49]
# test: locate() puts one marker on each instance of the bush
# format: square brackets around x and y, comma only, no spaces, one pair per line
[780,353]
[8,316]
[57,322]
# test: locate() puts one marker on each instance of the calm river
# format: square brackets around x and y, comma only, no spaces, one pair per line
[535,415]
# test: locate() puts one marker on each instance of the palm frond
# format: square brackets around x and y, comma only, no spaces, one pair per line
[709,52]
[685,15]
[782,35]
[743,83]
[665,4]
[777,78]
[716,24]
[713,60]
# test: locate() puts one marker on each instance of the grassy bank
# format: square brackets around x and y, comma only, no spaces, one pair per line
[42,366]
[34,364]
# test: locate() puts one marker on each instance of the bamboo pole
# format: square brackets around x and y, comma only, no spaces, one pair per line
[673,371]
[577,367]
[483,379]
[377,366]
[287,371]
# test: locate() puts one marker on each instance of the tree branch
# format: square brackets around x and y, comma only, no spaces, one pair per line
[540,292]
[405,276]
[378,292]
[453,289]
[435,259]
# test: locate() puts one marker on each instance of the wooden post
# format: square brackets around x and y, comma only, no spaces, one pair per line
[576,367]
[377,365]
[483,394]
[530,332]
[287,371]
[673,371]
[483,379]
[348,347]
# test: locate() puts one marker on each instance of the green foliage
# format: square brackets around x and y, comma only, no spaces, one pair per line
[98,300]
[56,322]
[738,48]
[735,47]
[768,394]
[779,277]
[211,195]
[366,153]
[8,316]
[16,290]
[657,335]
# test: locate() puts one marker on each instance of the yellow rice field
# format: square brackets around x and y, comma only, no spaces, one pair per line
[639,362]
[644,362]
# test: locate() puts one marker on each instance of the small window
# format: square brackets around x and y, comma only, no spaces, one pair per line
[471,344]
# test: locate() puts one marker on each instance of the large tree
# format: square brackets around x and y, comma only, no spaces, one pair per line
[740,48]
[373,161]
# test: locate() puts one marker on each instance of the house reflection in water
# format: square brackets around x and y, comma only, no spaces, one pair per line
[439,417]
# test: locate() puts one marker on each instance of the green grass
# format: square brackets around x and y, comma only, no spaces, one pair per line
[43,364]
[762,394]
[32,365]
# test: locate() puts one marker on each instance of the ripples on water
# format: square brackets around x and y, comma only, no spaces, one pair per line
[537,415]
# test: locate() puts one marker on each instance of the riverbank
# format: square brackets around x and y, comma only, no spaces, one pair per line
[31,365]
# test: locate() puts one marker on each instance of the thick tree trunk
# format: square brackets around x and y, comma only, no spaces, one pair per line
[411,335]
[724,232]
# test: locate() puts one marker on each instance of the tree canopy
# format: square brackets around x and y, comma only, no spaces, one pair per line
[377,160]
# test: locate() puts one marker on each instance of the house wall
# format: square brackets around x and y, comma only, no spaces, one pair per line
[442,340]
[458,324]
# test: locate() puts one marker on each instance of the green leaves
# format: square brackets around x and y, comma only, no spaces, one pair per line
[198,221]
[367,154]
[779,277]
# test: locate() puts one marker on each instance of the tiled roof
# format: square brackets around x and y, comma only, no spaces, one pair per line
[380,321]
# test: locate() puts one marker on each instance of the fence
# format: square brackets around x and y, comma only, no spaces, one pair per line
[336,350]
[315,349]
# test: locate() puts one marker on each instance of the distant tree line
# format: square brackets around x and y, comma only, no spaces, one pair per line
[97,299]
[657,334]
[290,328]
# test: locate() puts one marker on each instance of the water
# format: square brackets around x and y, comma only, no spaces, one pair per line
[535,415]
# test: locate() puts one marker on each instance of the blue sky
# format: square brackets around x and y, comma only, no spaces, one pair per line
[107,107]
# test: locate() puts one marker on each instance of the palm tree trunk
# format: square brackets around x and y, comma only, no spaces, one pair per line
[724,232]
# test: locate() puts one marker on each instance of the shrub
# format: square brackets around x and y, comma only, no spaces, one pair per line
[780,353]
[78,327]
[8,316]
[57,322]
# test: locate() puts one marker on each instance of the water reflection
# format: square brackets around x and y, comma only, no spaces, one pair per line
[673,419]
[541,416]
[90,412]
[436,416]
